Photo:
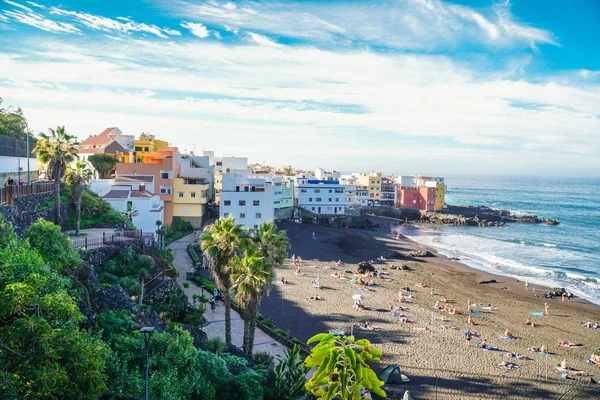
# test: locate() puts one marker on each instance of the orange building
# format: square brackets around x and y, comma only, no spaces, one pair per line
[164,166]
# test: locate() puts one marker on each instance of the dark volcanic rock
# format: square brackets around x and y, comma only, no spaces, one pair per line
[477,216]
[421,253]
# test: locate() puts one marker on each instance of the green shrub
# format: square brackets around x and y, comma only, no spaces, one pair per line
[259,317]
[203,282]
[106,277]
[263,358]
[268,322]
[186,285]
[114,323]
[105,285]
[130,286]
[53,245]
[95,210]
[215,345]
[282,332]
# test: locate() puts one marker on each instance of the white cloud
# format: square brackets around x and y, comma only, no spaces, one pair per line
[197,29]
[261,40]
[30,17]
[12,3]
[403,24]
[230,29]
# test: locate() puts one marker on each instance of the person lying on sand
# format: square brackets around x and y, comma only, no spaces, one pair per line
[508,365]
[590,325]
[446,308]
[566,343]
[421,284]
[422,330]
[328,266]
[508,334]
[284,282]
[437,306]
[564,367]
[454,311]
[314,298]
[405,320]
[517,356]
[449,328]
[398,308]
[367,325]
[594,359]
[446,300]
[489,308]
[338,275]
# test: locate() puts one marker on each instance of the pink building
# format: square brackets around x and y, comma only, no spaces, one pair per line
[422,197]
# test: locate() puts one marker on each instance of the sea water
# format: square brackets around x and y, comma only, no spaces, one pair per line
[565,255]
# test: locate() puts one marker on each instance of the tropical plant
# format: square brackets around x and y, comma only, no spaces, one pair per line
[288,171]
[290,376]
[342,367]
[263,358]
[103,163]
[252,276]
[57,150]
[159,233]
[215,345]
[43,352]
[270,242]
[77,178]
[54,246]
[220,243]
[131,212]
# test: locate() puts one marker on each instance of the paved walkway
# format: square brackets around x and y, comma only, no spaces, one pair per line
[215,325]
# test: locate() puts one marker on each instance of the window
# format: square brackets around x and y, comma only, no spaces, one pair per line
[237,188]
[242,202]
[227,202]
[414,202]
[242,215]
[258,216]
[317,190]
[337,199]
[226,215]
[302,190]
[246,189]
[180,194]
[138,148]
[310,199]
[219,163]
[339,190]
[256,202]
[329,190]
[371,195]
[130,204]
[192,194]
[313,209]
[330,199]
[318,199]
[255,226]
[139,160]
[187,209]
[146,149]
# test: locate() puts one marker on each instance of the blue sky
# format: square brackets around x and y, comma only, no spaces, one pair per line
[404,86]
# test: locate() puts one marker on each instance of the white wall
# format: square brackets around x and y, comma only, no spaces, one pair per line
[11,165]
[316,197]
[146,220]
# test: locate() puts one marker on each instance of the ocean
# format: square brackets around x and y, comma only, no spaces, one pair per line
[566,255]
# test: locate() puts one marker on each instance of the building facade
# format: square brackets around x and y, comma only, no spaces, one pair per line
[226,165]
[146,144]
[248,198]
[422,197]
[388,191]
[321,196]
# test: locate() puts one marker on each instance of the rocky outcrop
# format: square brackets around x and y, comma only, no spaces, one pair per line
[114,298]
[420,253]
[477,216]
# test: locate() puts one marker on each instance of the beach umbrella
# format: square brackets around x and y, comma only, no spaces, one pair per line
[358,297]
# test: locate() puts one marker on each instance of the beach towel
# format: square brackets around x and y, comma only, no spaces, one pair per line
[396,315]
[337,333]
[592,362]
[511,366]
[537,313]
[475,312]
[487,347]
[507,337]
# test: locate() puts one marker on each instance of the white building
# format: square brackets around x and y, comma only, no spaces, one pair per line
[247,198]
[131,190]
[322,175]
[321,196]
[192,166]
[225,165]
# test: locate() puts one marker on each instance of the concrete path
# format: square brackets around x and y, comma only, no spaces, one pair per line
[215,325]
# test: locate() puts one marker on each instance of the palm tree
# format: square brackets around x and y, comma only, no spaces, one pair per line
[57,150]
[77,179]
[271,244]
[220,244]
[252,277]
[159,232]
[288,171]
[131,212]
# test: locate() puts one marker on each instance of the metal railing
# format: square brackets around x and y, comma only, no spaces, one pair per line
[9,193]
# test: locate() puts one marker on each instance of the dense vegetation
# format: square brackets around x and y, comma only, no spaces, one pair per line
[178,229]
[105,164]
[96,211]
[12,123]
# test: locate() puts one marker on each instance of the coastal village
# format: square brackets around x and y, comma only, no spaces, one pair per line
[429,316]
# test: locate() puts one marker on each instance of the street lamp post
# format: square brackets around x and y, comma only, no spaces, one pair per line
[147,331]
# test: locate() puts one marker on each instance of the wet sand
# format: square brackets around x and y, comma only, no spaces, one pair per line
[461,371]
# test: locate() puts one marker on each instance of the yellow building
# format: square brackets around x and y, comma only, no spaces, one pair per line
[218,184]
[147,143]
[190,196]
[440,195]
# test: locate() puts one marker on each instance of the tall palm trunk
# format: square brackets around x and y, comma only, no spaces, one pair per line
[78,216]
[251,332]
[57,200]
[246,330]
[227,302]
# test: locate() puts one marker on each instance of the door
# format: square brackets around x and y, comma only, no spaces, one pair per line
[335,210]
[319,210]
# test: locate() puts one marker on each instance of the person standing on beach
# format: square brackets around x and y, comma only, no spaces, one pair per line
[314,236]
[546,309]
[469,305]
[468,336]
[526,285]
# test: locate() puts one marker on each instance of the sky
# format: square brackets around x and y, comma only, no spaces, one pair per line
[396,86]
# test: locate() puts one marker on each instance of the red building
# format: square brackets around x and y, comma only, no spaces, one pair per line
[422,197]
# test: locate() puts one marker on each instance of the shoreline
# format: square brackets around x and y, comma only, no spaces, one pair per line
[441,253]
[438,360]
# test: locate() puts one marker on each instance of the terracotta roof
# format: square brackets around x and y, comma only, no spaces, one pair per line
[90,150]
[141,193]
[135,178]
[102,139]
[117,194]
